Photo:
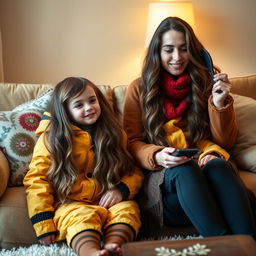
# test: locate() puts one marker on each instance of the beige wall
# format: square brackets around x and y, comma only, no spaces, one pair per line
[45,41]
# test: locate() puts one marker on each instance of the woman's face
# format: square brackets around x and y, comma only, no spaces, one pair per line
[173,52]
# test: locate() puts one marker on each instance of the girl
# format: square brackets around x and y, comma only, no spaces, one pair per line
[165,110]
[81,179]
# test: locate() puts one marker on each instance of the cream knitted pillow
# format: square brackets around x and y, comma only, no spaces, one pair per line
[244,150]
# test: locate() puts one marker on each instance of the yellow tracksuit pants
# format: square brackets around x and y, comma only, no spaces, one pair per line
[72,218]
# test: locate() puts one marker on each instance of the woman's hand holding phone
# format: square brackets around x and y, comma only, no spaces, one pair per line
[167,160]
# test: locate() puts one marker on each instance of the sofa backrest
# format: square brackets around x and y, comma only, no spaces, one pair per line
[14,94]
[244,85]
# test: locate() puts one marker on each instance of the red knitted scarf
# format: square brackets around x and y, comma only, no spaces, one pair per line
[176,91]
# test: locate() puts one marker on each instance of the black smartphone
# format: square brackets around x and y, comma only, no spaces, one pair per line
[209,64]
[189,152]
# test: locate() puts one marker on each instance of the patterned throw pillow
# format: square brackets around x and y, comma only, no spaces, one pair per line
[17,135]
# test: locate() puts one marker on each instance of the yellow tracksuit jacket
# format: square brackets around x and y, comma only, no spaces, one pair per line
[82,213]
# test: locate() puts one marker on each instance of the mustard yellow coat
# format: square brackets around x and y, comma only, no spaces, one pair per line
[66,220]
[177,138]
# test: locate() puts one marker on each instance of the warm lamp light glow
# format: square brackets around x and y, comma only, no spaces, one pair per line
[160,10]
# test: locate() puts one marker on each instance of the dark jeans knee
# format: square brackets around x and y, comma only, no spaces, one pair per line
[218,168]
[181,172]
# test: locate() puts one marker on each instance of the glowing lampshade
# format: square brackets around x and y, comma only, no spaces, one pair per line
[160,10]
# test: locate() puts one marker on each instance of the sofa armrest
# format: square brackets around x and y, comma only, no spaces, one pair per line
[4,173]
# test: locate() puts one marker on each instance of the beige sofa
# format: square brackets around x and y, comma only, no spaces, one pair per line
[15,226]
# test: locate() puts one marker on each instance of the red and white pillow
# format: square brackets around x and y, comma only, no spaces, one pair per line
[17,135]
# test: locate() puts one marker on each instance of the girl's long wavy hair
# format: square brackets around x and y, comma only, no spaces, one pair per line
[152,96]
[112,159]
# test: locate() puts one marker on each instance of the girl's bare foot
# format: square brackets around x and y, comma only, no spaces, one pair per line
[114,249]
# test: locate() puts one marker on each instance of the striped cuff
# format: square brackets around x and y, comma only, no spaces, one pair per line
[41,217]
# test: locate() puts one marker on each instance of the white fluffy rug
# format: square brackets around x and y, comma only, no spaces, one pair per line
[40,250]
[60,249]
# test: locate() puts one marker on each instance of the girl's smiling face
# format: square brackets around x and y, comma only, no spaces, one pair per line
[173,52]
[84,108]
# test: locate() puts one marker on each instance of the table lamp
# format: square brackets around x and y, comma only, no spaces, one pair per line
[160,10]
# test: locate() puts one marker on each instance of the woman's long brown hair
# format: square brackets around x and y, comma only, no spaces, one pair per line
[112,159]
[152,96]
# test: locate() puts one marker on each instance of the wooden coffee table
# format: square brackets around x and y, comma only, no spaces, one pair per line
[235,245]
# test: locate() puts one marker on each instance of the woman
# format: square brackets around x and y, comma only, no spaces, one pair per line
[165,110]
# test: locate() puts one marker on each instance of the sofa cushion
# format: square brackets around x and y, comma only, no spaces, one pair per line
[16,228]
[244,150]
[17,134]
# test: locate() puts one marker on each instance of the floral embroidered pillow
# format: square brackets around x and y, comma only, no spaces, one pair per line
[17,135]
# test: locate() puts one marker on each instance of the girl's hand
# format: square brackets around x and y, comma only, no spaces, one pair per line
[165,159]
[220,90]
[206,159]
[110,198]
[47,240]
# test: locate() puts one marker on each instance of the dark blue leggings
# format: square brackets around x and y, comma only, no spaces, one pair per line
[212,198]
